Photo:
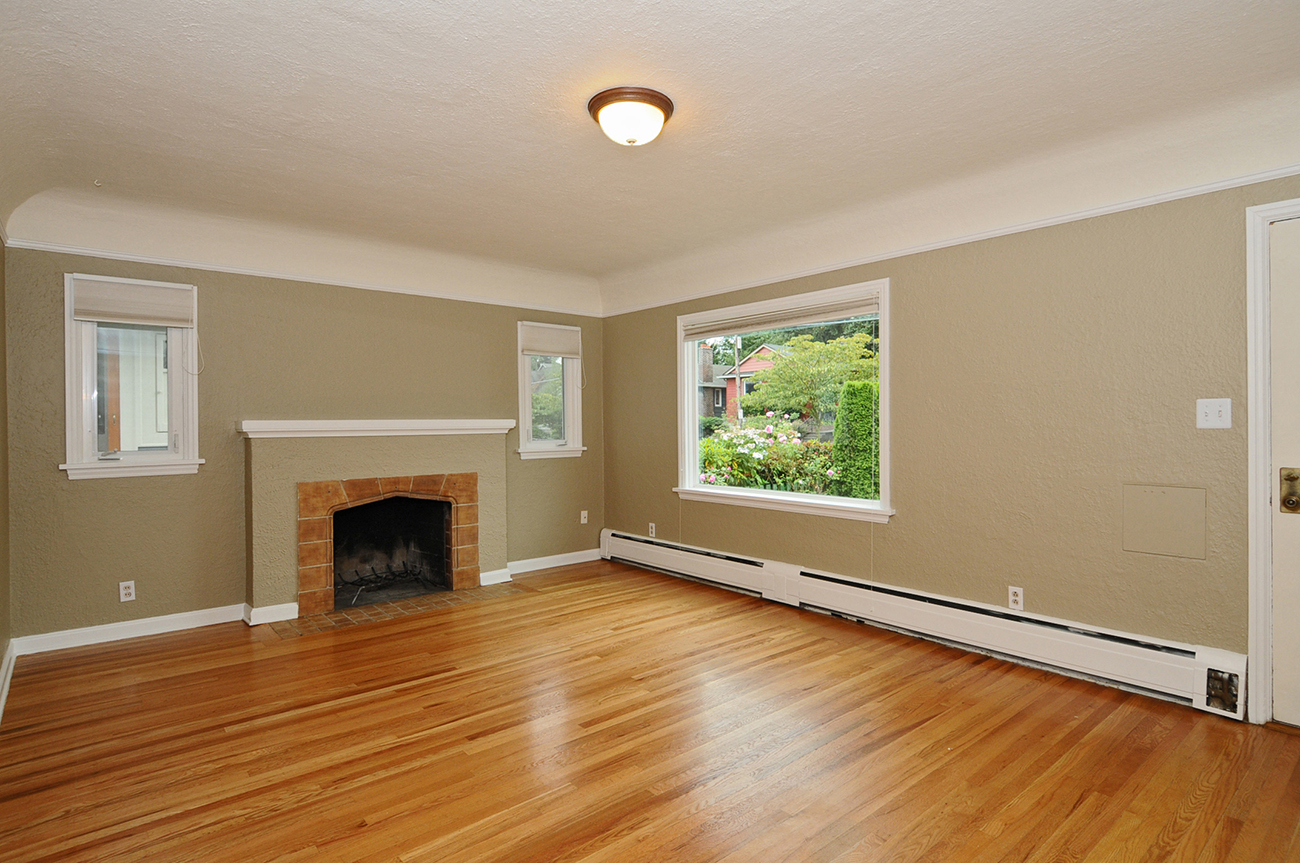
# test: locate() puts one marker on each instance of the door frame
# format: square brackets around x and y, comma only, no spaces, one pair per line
[1259,395]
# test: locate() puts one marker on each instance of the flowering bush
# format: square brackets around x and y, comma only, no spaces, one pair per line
[766,453]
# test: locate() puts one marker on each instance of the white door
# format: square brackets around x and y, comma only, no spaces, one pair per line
[1284,290]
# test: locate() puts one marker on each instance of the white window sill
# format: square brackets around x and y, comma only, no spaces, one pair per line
[785,501]
[125,468]
[555,452]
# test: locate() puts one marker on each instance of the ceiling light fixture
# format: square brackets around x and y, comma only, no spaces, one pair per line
[630,116]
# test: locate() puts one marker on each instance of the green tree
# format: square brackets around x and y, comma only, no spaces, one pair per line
[808,375]
[856,450]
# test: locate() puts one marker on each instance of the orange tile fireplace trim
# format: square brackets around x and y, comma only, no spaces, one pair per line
[318,501]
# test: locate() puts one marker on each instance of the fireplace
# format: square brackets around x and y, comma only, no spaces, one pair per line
[428,521]
[390,549]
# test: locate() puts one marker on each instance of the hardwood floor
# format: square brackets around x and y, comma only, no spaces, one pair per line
[610,714]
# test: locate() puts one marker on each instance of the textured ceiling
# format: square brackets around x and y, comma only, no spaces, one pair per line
[461,126]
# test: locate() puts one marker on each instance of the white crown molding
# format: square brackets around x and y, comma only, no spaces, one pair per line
[1077,216]
[65,221]
[28,644]
[208,266]
[368,428]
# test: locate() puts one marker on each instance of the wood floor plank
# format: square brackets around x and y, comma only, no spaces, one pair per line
[604,714]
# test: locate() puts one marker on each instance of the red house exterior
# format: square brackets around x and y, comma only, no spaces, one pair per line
[755,362]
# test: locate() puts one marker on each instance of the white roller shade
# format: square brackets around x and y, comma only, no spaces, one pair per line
[761,316]
[549,340]
[128,301]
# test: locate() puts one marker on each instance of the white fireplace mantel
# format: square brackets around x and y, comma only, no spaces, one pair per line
[369,428]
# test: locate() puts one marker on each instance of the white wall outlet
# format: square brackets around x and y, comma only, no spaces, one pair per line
[652,529]
[582,517]
[1214,413]
[1016,598]
[125,591]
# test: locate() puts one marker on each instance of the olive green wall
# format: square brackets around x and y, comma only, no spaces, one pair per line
[1032,376]
[6,628]
[272,349]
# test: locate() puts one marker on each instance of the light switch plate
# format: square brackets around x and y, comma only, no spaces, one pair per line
[1214,413]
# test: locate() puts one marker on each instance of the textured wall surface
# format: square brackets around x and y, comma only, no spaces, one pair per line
[278,465]
[6,627]
[1032,376]
[271,350]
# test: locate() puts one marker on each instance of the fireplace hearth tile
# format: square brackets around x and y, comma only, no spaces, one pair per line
[463,487]
[315,601]
[315,554]
[314,529]
[430,484]
[316,577]
[466,534]
[466,514]
[316,499]
[465,556]
[391,485]
[463,578]
[362,490]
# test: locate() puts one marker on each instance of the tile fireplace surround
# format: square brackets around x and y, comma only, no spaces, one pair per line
[318,501]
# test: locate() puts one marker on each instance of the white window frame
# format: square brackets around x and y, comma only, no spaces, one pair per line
[83,458]
[784,311]
[571,362]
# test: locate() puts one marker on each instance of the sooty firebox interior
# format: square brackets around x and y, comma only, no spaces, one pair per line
[391,549]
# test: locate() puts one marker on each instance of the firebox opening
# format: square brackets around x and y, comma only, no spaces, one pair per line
[391,549]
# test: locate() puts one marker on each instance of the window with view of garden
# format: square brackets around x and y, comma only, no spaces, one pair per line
[785,401]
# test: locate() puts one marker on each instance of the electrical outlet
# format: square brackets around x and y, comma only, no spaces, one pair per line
[125,591]
[652,529]
[582,517]
[1016,598]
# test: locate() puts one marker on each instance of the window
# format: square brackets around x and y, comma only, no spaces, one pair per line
[718,397]
[550,392]
[131,377]
[809,431]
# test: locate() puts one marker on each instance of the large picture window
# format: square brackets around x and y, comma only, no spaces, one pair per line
[131,377]
[803,420]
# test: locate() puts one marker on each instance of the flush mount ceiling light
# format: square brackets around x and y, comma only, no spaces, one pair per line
[630,116]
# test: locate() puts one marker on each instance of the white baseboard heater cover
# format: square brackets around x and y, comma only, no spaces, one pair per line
[1203,677]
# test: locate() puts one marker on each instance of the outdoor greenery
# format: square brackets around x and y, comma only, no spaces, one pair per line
[806,376]
[822,377]
[857,441]
[710,425]
[769,456]
[547,380]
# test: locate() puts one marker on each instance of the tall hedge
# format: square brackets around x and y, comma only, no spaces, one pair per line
[856,449]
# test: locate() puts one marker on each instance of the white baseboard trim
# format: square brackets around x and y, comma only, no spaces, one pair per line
[269,613]
[6,674]
[1173,670]
[519,567]
[494,576]
[29,644]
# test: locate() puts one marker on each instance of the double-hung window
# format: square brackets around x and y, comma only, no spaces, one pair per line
[130,377]
[806,424]
[550,391]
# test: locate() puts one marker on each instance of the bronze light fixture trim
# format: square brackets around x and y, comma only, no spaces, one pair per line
[633,115]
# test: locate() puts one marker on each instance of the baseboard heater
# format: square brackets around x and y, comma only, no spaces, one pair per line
[1203,677]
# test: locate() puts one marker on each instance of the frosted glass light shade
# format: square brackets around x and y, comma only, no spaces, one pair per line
[630,123]
[630,116]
